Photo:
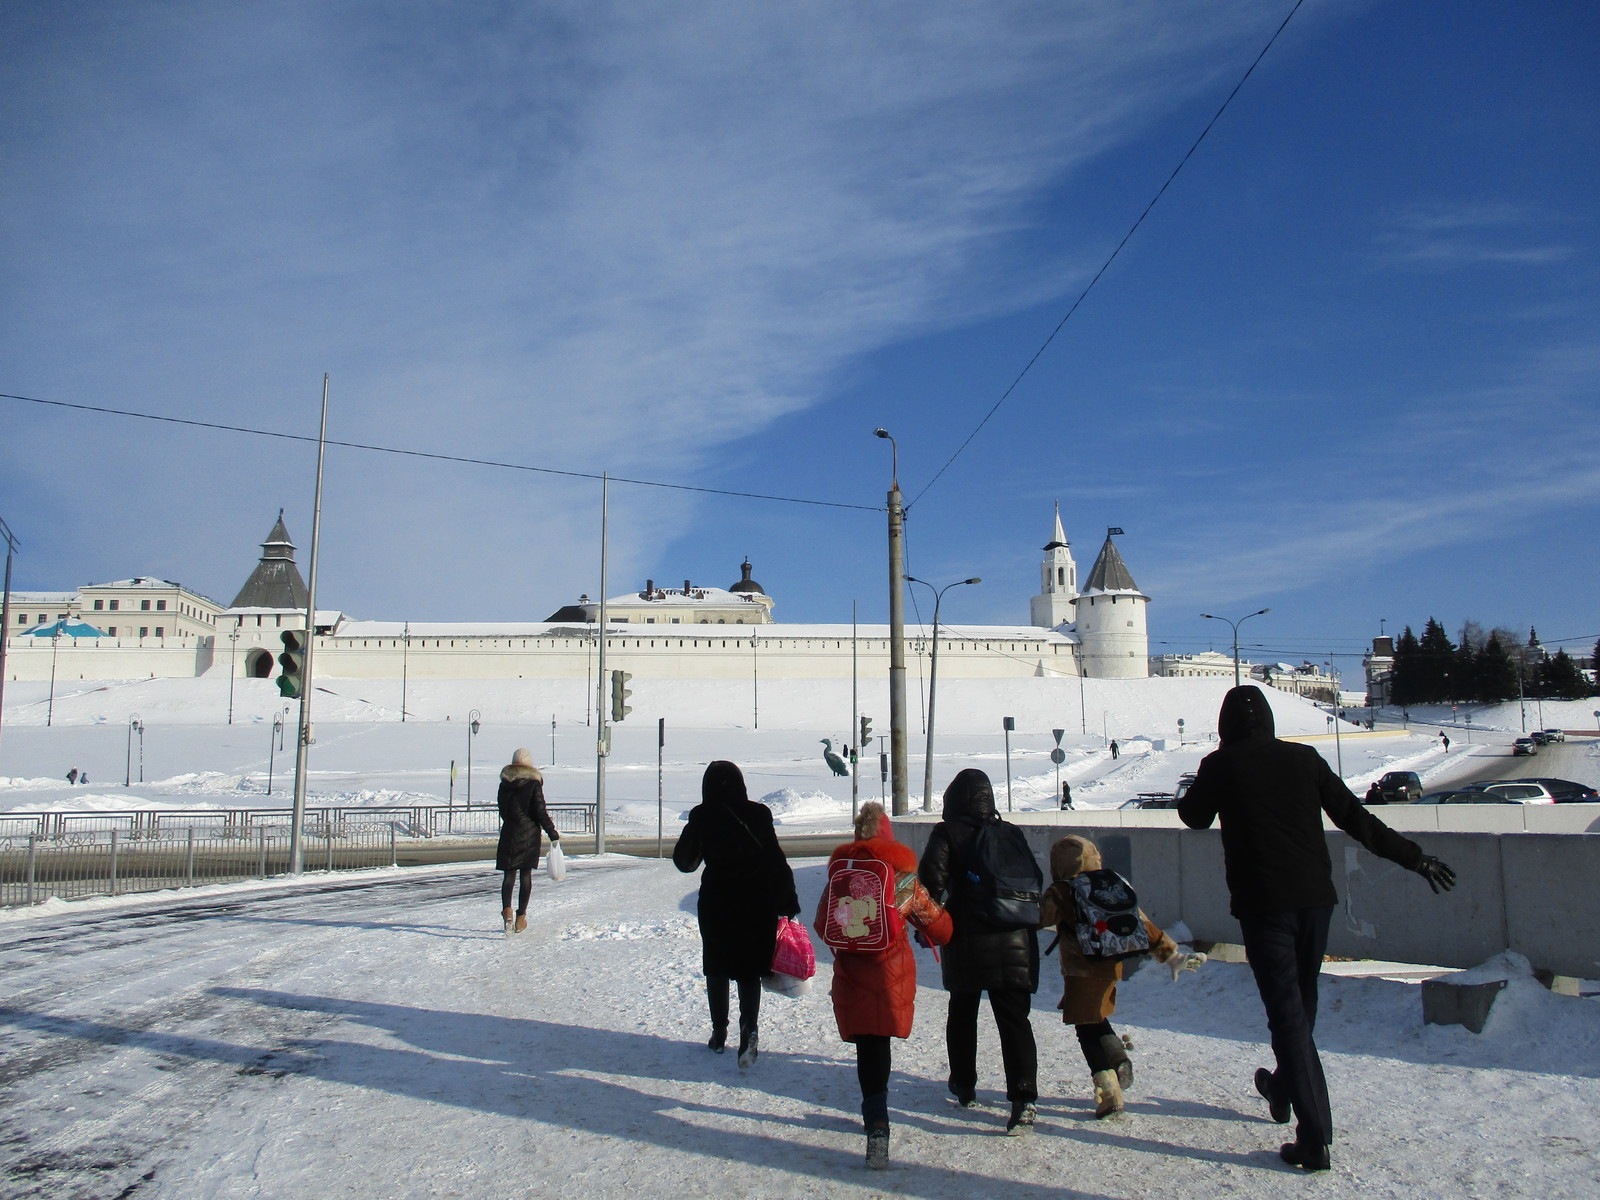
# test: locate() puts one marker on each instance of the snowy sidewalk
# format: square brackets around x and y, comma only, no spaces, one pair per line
[376,1037]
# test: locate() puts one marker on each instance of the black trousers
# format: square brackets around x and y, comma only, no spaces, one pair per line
[1017,1050]
[523,878]
[749,1001]
[872,1072]
[1286,950]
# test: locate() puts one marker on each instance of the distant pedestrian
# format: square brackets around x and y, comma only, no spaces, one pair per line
[1066,796]
[1445,738]
[746,887]
[1270,796]
[1374,794]
[1089,986]
[72,776]
[522,816]
[83,777]
[875,992]
[1115,752]
[982,957]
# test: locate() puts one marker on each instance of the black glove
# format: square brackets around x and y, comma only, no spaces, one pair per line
[1439,875]
[920,938]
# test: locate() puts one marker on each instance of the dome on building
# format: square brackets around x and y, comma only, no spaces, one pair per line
[746,584]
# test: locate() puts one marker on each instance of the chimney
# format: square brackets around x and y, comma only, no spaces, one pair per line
[685,587]
[649,592]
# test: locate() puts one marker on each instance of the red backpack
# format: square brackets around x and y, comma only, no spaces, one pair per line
[859,913]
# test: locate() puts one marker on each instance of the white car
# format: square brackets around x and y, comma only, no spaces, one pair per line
[1522,791]
[1554,735]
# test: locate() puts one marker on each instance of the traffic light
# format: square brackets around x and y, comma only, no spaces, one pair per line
[620,691]
[291,666]
[866,731]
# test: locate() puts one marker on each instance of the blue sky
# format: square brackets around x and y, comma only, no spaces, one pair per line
[1347,368]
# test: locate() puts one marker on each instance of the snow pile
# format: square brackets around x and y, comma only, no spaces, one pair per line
[792,807]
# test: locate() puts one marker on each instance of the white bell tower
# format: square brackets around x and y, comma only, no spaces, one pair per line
[1058,581]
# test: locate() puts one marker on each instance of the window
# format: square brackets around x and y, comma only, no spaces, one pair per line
[144,631]
[144,606]
[161,631]
[112,630]
[99,605]
[161,606]
[22,618]
[114,603]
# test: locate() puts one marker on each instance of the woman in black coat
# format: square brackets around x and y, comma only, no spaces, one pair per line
[981,958]
[522,816]
[746,887]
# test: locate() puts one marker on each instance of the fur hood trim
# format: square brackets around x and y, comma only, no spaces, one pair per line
[516,772]
[897,855]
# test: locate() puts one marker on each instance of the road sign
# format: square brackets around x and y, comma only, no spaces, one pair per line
[1058,756]
[1058,733]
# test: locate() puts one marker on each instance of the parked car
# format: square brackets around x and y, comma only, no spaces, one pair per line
[1522,791]
[1464,796]
[1399,787]
[1567,792]
[1524,746]
[1554,735]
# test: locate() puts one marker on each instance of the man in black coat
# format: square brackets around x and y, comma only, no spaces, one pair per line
[981,958]
[1270,796]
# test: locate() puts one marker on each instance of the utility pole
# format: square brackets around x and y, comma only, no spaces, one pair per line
[898,765]
[855,723]
[602,746]
[5,609]
[303,740]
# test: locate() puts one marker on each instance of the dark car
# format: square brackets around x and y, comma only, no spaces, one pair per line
[1567,792]
[1540,737]
[1398,787]
[1463,796]
[1524,745]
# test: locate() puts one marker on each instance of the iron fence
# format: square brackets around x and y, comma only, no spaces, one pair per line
[92,863]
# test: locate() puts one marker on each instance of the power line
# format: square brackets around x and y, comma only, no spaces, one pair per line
[1111,258]
[438,457]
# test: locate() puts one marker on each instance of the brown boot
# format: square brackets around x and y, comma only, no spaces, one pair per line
[1107,1094]
[522,923]
[505,916]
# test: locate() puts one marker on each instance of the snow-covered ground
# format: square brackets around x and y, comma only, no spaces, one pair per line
[373,1036]
[364,754]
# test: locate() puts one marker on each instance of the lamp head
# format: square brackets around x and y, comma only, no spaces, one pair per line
[974,579]
[880,432]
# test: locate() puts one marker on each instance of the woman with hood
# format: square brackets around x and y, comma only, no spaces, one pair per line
[1270,797]
[746,887]
[982,958]
[1089,985]
[522,816]
[874,993]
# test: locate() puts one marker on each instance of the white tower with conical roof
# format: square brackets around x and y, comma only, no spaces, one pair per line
[1058,581]
[1111,619]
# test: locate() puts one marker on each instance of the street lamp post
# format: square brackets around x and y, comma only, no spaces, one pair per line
[274,743]
[50,709]
[933,682]
[405,668]
[1235,626]
[233,661]
[473,725]
[900,804]
[134,726]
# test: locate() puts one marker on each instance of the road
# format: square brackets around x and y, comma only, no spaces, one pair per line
[1563,760]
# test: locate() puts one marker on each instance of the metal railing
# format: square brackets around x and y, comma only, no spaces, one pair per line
[93,863]
[414,821]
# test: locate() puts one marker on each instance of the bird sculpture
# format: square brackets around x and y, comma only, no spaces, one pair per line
[832,759]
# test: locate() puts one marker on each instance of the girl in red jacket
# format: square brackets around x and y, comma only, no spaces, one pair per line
[874,994]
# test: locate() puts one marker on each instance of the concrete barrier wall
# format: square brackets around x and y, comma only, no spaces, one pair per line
[1406,818]
[1537,894]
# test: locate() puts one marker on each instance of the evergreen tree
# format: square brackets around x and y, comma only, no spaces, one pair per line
[1563,680]
[1435,657]
[1403,675]
[1465,672]
[1496,672]
[1594,668]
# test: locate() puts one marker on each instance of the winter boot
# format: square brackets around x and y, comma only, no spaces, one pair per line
[749,1048]
[1306,1157]
[505,916]
[719,1039]
[1277,1103]
[875,1117]
[1107,1094]
[521,923]
[1023,1115]
[1115,1054]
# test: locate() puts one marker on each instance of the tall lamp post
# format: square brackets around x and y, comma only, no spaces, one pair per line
[5,607]
[900,803]
[473,726]
[135,725]
[233,660]
[1235,626]
[55,641]
[933,681]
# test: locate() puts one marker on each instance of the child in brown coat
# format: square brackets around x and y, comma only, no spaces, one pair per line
[1089,996]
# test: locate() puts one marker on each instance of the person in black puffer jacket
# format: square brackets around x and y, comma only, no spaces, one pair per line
[522,816]
[1270,796]
[981,958]
[746,887]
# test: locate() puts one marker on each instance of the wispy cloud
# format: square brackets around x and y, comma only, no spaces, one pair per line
[1468,235]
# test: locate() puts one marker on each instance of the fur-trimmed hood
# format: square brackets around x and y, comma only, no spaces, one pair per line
[897,855]
[1073,855]
[516,772]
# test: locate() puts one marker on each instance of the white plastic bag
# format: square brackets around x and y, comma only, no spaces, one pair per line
[786,985]
[555,863]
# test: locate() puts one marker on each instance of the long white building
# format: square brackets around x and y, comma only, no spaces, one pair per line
[157,628]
